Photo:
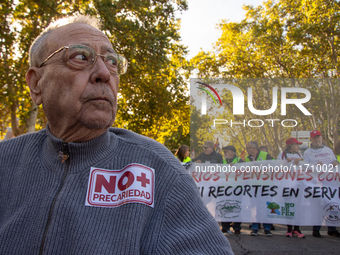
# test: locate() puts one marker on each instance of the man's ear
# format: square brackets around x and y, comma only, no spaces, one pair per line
[33,77]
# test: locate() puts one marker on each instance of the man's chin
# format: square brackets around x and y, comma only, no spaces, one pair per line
[98,122]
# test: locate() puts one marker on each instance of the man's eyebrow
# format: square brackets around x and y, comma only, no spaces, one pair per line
[105,48]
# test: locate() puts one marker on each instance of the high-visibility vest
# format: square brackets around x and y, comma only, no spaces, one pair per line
[235,160]
[262,156]
[186,160]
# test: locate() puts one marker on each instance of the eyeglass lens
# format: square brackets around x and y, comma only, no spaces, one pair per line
[83,56]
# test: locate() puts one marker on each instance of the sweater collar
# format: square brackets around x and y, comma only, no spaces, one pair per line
[81,155]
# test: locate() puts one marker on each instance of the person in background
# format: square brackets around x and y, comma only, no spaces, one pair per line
[263,148]
[254,154]
[291,153]
[320,154]
[231,158]
[209,154]
[183,153]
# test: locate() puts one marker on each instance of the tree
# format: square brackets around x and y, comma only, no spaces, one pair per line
[152,97]
[6,56]
[273,206]
[298,40]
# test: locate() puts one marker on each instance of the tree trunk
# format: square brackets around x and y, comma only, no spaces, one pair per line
[32,118]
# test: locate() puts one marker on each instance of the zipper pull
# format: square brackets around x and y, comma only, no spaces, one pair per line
[63,155]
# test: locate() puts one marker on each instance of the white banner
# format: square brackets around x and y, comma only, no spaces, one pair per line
[271,191]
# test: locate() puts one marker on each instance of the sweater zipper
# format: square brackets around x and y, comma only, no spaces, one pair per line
[63,158]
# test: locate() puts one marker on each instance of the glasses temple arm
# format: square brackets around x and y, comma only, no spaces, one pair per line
[64,47]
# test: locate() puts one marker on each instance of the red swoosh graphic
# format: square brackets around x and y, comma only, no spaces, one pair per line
[213,90]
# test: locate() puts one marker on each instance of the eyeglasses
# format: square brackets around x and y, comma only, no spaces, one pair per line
[83,56]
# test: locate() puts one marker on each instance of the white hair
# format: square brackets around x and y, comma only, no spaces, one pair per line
[40,42]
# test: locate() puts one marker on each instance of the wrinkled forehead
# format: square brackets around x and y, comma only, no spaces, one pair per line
[78,33]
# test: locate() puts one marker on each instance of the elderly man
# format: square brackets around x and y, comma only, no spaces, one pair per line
[81,187]
[320,154]
[209,155]
[230,156]
[255,154]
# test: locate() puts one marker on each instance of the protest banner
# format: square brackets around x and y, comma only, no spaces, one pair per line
[271,191]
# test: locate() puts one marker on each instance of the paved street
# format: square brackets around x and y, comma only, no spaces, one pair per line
[278,244]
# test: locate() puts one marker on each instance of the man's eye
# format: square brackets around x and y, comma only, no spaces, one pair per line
[111,60]
[80,57]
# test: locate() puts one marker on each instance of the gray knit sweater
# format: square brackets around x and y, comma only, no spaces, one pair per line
[42,201]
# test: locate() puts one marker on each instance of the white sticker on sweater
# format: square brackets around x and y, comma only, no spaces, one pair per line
[110,188]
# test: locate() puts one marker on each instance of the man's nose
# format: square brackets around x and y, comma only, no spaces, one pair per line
[101,73]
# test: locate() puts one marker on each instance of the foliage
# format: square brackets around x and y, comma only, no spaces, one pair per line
[291,39]
[152,98]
